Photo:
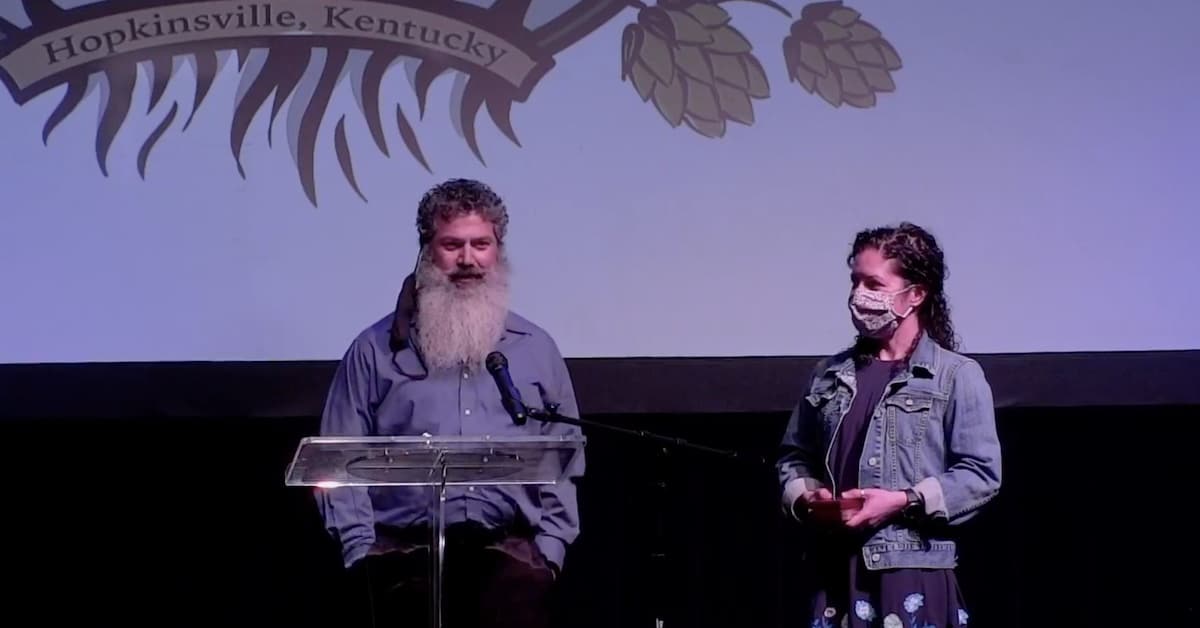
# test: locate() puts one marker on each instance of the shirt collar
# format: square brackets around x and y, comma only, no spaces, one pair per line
[403,318]
[408,361]
[515,324]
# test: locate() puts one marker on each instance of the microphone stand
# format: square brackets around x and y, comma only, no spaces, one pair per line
[658,553]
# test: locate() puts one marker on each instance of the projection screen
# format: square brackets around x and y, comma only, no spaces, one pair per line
[223,180]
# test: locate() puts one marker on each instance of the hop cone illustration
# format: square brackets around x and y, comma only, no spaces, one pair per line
[840,56]
[699,70]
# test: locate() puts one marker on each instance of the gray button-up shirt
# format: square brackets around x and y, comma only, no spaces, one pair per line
[378,392]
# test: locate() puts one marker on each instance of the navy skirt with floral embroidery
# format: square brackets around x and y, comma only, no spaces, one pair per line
[855,597]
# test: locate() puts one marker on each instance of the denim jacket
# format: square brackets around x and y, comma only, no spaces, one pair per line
[933,431]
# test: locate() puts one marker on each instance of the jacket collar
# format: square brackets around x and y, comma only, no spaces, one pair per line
[926,356]
[924,361]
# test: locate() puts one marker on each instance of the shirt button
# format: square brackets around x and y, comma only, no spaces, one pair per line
[467,412]
[466,375]
[873,461]
[471,489]
[908,402]
[874,558]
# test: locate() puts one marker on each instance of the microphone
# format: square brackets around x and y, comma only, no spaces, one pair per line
[497,365]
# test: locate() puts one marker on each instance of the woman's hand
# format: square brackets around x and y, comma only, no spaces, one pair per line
[811,502]
[879,505]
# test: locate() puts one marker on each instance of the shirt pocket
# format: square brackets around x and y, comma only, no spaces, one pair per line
[531,394]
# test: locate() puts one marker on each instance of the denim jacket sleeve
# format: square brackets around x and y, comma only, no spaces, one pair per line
[347,510]
[972,475]
[800,464]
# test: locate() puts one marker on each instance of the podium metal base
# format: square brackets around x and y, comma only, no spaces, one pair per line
[437,546]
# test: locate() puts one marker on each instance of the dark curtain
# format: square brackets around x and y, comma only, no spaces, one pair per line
[174,521]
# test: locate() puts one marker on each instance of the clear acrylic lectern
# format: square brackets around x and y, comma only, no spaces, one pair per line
[436,462]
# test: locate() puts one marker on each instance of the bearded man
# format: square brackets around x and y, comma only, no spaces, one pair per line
[420,370]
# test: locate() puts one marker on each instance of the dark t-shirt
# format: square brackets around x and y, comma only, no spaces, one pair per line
[871,380]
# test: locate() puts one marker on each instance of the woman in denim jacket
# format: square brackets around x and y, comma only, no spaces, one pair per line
[901,429]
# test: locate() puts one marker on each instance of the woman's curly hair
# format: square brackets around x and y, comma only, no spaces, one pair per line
[920,261]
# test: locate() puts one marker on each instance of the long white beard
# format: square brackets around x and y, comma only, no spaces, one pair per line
[459,326]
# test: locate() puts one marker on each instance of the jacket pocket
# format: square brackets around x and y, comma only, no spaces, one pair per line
[908,417]
[827,405]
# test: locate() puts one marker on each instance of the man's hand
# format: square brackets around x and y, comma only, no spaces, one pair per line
[879,505]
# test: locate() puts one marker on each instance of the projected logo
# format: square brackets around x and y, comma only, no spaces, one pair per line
[684,56]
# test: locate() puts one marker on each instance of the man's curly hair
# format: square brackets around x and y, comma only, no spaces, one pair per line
[919,260]
[460,197]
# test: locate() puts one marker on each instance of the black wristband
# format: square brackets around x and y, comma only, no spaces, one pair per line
[915,507]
